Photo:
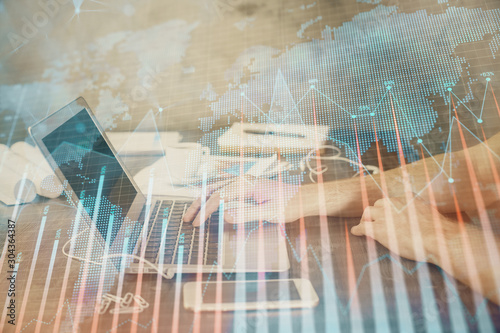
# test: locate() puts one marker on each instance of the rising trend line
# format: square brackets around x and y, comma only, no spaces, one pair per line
[388,92]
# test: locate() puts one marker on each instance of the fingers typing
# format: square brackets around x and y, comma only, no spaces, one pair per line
[205,211]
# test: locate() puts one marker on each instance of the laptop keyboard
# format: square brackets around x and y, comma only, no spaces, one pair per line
[181,240]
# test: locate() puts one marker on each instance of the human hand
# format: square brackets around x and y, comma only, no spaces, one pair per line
[389,222]
[248,199]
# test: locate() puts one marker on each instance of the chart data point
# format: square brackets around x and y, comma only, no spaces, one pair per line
[372,114]
[450,180]
[353,116]
[480,121]
[419,140]
[449,89]
[488,79]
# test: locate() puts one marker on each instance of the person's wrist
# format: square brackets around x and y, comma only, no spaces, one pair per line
[309,202]
[449,239]
[339,200]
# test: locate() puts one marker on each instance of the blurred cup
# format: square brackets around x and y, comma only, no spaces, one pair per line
[184,159]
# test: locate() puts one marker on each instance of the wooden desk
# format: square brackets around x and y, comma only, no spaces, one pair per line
[347,278]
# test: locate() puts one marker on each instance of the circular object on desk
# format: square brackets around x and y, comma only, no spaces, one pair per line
[27,192]
[50,187]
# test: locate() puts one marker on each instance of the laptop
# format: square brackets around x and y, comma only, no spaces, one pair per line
[95,178]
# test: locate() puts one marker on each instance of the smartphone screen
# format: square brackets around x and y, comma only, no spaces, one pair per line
[258,291]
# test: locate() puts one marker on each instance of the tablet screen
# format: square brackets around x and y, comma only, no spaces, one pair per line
[92,170]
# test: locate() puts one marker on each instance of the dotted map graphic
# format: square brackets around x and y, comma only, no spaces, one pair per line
[350,70]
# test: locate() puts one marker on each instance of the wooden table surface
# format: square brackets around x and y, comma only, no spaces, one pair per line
[353,285]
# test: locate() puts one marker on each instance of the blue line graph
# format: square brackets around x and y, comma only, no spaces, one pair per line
[373,113]
[408,131]
[484,98]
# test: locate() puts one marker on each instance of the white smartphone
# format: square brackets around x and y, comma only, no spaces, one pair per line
[249,295]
